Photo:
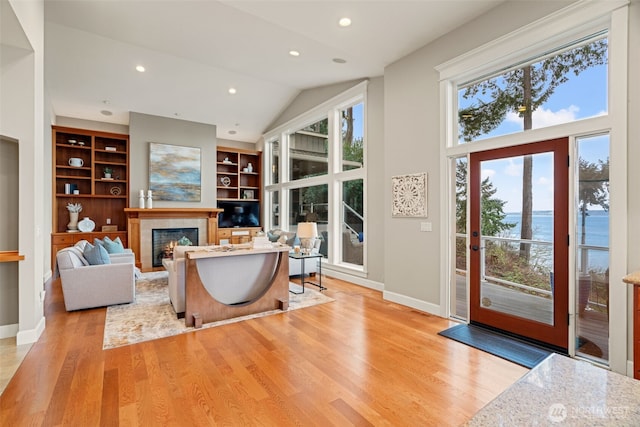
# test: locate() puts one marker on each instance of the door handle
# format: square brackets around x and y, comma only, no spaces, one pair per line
[475,247]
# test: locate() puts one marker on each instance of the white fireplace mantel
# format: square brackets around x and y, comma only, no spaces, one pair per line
[141,221]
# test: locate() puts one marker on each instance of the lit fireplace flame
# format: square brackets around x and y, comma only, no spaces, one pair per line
[168,249]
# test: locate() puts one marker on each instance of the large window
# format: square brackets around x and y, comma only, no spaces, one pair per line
[564,76]
[458,301]
[352,216]
[352,137]
[318,175]
[275,162]
[309,204]
[309,151]
[562,87]
[592,246]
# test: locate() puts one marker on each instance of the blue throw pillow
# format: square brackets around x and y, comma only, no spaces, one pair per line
[113,246]
[96,255]
[272,237]
[293,241]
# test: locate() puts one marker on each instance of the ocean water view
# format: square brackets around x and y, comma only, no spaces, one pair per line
[596,232]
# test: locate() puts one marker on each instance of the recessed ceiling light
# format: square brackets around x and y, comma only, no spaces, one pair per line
[106,112]
[344,22]
[232,90]
[339,60]
[140,68]
[294,53]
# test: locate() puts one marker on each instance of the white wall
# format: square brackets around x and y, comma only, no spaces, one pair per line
[412,144]
[237,144]
[308,99]
[633,198]
[73,122]
[22,112]
[9,236]
[145,128]
[376,183]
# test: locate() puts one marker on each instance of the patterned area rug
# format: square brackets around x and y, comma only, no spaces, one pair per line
[151,315]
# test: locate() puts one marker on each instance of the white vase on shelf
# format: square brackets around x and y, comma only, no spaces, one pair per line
[73,221]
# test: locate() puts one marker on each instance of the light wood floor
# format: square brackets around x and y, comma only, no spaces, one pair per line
[356,361]
[11,355]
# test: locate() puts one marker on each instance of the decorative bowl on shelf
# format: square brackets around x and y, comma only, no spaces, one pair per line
[86,225]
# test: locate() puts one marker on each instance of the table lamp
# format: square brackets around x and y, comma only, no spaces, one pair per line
[307,233]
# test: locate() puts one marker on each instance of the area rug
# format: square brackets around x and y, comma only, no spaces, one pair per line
[501,345]
[151,315]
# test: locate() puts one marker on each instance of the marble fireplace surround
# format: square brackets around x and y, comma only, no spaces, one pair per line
[140,222]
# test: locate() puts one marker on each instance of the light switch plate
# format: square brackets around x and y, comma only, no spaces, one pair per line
[425,226]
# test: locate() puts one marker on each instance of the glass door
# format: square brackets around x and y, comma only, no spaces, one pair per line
[519,240]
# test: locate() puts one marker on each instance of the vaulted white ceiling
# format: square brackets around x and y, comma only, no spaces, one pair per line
[194,51]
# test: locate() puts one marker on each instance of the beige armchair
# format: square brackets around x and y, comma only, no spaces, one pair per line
[176,269]
[88,286]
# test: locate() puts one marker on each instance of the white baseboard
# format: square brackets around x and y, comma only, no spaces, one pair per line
[47,276]
[389,296]
[630,368]
[8,331]
[412,302]
[377,286]
[31,335]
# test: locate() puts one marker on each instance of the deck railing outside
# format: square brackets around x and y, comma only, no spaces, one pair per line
[598,294]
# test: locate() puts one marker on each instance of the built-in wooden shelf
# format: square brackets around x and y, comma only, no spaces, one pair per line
[10,256]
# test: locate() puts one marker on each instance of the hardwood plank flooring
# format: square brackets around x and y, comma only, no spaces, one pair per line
[359,360]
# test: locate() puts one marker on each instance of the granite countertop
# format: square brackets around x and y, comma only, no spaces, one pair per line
[632,278]
[561,391]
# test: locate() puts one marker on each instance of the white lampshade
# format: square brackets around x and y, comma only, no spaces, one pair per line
[307,230]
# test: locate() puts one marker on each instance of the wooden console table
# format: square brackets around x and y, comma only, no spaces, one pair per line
[222,284]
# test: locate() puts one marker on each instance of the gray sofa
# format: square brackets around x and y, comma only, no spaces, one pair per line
[88,286]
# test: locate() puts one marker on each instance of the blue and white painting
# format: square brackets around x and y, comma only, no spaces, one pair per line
[174,172]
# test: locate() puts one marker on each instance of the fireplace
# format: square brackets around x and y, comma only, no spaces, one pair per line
[140,222]
[164,239]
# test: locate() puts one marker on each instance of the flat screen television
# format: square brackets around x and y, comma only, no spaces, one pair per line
[239,214]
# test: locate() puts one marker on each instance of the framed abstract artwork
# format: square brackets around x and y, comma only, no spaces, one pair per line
[409,195]
[174,172]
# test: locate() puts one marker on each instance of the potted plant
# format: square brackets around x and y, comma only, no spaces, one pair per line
[107,172]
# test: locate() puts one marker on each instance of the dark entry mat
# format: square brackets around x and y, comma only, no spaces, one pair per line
[506,347]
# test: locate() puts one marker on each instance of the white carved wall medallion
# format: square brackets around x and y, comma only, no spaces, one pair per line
[409,194]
